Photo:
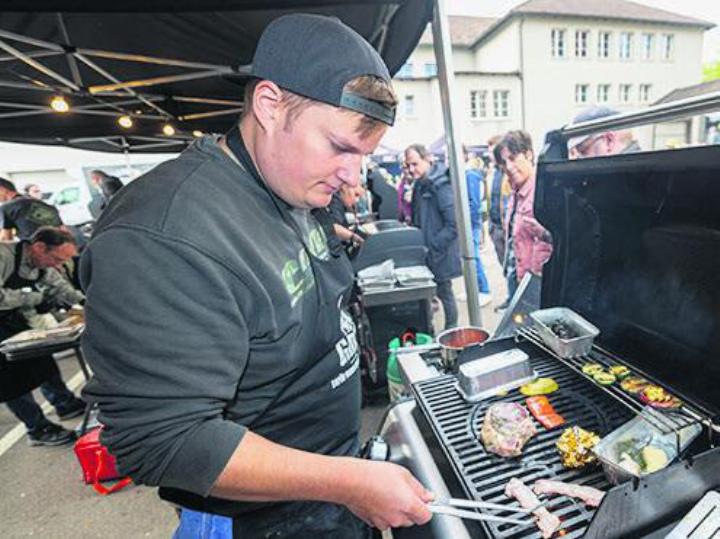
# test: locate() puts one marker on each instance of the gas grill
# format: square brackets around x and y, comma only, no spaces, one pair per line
[636,251]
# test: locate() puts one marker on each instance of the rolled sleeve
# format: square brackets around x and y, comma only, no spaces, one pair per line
[168,343]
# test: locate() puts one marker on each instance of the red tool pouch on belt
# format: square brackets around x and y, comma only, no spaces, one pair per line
[97,463]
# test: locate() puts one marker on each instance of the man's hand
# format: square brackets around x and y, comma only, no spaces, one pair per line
[388,496]
[382,494]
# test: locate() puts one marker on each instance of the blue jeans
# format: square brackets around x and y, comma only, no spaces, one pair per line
[27,410]
[482,281]
[295,520]
[196,525]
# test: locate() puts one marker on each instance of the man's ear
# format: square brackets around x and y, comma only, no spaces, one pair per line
[267,104]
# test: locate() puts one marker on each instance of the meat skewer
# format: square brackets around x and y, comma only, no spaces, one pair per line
[545,520]
[589,495]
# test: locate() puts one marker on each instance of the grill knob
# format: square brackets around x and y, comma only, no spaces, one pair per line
[376,448]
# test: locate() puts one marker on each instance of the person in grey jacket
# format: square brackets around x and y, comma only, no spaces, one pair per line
[226,365]
[28,284]
[433,211]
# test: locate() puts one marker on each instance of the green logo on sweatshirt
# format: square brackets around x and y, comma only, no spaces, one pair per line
[297,274]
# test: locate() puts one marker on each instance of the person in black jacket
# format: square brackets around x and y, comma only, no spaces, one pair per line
[225,361]
[107,186]
[433,211]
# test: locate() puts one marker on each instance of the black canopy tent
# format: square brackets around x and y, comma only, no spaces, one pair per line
[173,69]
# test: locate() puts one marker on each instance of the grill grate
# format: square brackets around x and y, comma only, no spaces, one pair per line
[484,475]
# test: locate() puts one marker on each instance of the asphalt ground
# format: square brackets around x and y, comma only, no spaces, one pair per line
[41,489]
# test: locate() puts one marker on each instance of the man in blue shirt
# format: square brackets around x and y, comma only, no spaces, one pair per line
[476,191]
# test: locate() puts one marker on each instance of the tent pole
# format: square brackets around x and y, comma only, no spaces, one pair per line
[446,79]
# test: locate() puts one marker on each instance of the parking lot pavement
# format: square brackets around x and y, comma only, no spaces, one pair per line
[43,494]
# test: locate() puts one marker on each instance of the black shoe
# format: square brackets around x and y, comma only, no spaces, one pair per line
[75,408]
[502,306]
[51,434]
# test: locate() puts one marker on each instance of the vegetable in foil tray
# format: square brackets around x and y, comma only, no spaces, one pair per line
[575,447]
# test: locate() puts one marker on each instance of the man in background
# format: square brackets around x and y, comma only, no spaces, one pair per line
[21,215]
[476,194]
[601,144]
[33,190]
[30,285]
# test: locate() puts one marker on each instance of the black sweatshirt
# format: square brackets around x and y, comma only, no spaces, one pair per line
[205,318]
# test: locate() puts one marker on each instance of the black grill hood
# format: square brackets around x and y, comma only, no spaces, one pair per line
[637,252]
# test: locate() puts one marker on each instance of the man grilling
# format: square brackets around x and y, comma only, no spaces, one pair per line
[226,365]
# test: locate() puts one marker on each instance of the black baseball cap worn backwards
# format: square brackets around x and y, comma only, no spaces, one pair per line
[316,56]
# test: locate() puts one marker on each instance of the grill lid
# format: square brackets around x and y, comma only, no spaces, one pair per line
[637,252]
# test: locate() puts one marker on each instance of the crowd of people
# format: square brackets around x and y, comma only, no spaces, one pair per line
[500,190]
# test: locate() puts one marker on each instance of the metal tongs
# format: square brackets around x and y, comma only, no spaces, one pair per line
[450,506]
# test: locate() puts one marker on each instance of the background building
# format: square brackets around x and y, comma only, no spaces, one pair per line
[545,60]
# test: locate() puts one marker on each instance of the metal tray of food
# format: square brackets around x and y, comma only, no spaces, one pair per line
[486,377]
[639,448]
[567,333]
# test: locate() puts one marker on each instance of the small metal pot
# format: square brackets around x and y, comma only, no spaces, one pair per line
[452,341]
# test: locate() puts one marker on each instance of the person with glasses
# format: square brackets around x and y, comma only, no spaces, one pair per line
[601,144]
[529,244]
[30,284]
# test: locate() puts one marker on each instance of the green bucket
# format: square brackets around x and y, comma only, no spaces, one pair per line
[393,372]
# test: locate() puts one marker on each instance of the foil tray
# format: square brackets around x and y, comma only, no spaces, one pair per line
[486,377]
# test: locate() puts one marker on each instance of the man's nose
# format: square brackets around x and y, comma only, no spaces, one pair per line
[349,170]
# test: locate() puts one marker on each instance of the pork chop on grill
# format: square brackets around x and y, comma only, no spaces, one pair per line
[545,520]
[506,429]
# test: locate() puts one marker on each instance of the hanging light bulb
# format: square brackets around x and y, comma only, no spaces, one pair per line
[197,133]
[125,121]
[168,130]
[59,104]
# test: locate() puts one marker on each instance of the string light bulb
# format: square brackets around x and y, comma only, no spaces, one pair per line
[168,130]
[59,104]
[197,133]
[125,121]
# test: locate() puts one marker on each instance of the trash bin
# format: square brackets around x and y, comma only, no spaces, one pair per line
[396,388]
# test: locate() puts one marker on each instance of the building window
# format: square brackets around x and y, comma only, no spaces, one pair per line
[666,46]
[625,91]
[501,103]
[409,106]
[477,104]
[603,93]
[645,90]
[648,42]
[625,45]
[604,45]
[581,43]
[430,69]
[406,71]
[558,43]
[581,93]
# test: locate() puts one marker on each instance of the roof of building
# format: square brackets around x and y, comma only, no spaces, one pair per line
[464,31]
[691,91]
[601,9]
